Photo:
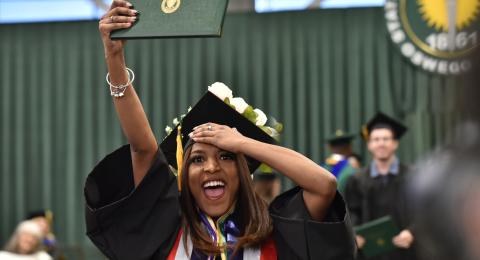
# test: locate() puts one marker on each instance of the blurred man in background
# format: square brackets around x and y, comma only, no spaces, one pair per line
[379,189]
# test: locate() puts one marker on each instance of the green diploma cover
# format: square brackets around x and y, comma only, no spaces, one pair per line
[378,235]
[175,18]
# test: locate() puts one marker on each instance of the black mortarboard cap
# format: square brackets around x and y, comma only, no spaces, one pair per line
[212,109]
[381,120]
[36,214]
[264,176]
[41,213]
[340,137]
[264,173]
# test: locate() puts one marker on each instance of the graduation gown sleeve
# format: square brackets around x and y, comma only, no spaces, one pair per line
[297,236]
[355,198]
[125,222]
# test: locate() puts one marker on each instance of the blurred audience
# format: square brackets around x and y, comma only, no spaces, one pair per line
[44,219]
[342,162]
[25,243]
[267,183]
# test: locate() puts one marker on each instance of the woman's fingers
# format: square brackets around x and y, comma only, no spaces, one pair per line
[221,136]
[203,130]
[123,11]
[119,19]
[114,26]
[204,139]
[204,133]
[121,15]
[116,3]
[118,14]
[209,127]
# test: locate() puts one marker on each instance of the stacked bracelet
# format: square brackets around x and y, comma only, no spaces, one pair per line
[119,90]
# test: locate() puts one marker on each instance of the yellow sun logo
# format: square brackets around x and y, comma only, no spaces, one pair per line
[435,13]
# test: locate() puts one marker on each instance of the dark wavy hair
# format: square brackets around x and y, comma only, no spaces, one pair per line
[254,221]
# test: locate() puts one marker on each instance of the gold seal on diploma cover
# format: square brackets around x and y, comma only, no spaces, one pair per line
[170,6]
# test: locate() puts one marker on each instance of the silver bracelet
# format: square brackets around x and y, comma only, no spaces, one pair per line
[119,90]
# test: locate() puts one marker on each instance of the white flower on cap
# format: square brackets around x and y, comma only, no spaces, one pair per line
[261,117]
[271,131]
[168,129]
[239,104]
[175,121]
[221,91]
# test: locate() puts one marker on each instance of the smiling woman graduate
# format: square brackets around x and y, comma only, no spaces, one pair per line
[137,208]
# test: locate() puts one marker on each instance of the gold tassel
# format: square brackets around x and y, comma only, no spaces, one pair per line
[365,132]
[179,157]
[49,216]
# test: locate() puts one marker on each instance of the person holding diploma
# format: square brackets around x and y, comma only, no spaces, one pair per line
[379,189]
[138,208]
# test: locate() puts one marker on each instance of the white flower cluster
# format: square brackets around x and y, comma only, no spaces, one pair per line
[221,90]
[256,115]
[175,122]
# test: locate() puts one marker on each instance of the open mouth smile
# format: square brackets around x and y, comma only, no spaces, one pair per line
[214,189]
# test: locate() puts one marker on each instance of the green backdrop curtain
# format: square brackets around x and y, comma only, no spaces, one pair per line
[315,71]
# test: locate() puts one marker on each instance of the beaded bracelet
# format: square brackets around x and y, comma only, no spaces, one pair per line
[119,90]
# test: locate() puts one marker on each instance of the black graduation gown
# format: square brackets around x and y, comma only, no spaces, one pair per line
[371,198]
[142,223]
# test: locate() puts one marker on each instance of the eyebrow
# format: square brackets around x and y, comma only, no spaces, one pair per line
[199,151]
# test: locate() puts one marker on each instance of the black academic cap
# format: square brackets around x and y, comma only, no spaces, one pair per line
[44,213]
[36,214]
[340,138]
[210,108]
[381,120]
[264,176]
[264,173]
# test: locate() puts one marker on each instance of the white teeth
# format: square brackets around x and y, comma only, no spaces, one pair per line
[213,184]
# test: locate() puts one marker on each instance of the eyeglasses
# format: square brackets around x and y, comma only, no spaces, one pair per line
[381,139]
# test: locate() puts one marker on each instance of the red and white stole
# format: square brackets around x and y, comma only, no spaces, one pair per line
[266,252]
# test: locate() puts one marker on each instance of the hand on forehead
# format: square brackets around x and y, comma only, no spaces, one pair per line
[209,127]
[221,136]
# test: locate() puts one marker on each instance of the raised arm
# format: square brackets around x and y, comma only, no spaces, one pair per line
[319,185]
[129,109]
